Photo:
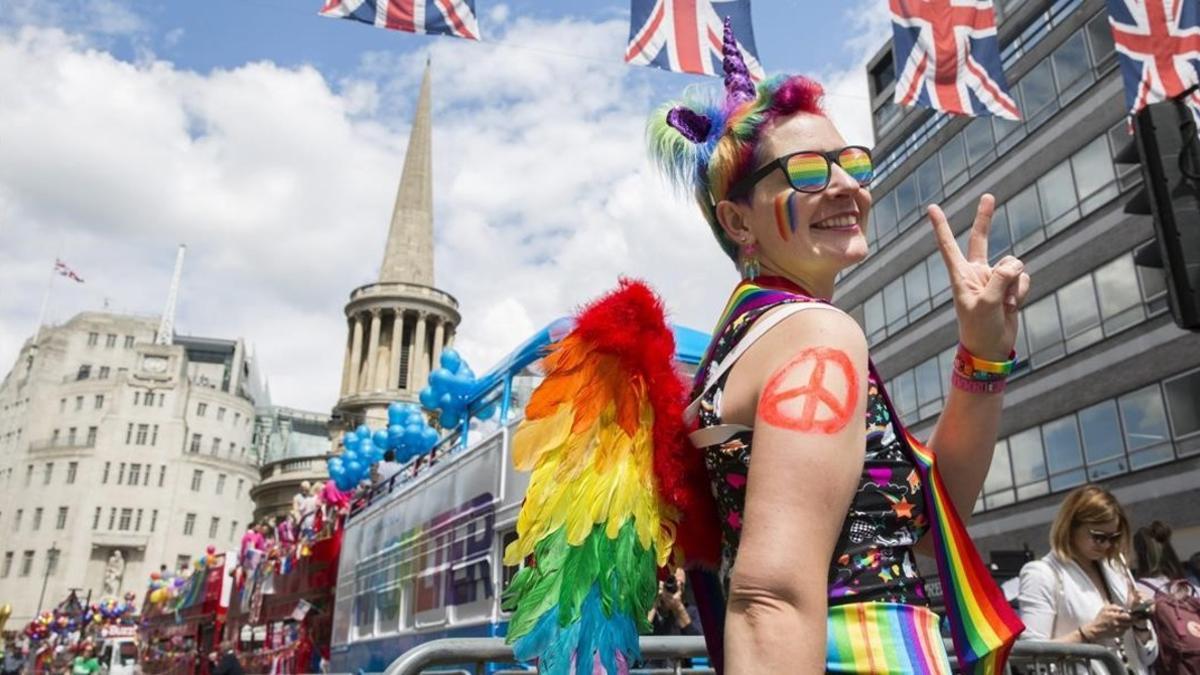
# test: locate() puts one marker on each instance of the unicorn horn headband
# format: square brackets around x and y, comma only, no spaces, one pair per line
[738,89]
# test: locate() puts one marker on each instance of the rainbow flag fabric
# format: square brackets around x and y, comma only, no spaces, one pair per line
[884,638]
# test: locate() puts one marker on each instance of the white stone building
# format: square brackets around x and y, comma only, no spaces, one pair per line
[111,442]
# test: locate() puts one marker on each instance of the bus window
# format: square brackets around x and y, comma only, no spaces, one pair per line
[509,571]
[387,600]
[364,614]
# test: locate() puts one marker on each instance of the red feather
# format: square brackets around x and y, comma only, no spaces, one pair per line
[630,323]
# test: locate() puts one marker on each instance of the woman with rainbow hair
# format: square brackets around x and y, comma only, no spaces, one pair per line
[813,543]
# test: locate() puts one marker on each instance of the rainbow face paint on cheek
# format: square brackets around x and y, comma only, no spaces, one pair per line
[785,215]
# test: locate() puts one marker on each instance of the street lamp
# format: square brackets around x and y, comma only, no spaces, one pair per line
[51,562]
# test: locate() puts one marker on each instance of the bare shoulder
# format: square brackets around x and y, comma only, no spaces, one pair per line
[820,327]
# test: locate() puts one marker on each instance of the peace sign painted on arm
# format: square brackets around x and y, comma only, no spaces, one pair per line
[987,298]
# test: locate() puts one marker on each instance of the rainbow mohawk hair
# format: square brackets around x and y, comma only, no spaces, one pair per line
[705,143]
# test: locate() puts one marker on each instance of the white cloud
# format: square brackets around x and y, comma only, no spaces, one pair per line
[281,184]
[848,102]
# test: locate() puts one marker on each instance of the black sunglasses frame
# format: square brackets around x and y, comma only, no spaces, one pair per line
[1104,538]
[745,185]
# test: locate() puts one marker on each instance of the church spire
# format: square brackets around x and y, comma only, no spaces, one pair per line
[409,253]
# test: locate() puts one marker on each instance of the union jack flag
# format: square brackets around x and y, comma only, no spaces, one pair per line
[948,57]
[685,35]
[63,270]
[431,17]
[1158,46]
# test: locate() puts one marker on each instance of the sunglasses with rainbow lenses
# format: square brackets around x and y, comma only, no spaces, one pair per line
[810,170]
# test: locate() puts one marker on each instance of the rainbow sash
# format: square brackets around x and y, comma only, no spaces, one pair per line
[885,638]
[982,624]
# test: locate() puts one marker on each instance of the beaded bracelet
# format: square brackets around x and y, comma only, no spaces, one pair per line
[979,376]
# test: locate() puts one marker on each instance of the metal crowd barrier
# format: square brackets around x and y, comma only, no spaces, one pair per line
[471,655]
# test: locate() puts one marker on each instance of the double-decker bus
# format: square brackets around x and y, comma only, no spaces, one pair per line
[422,555]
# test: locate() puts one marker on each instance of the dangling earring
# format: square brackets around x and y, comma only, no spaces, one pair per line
[750,266]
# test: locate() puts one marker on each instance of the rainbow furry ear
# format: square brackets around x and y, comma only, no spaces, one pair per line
[691,124]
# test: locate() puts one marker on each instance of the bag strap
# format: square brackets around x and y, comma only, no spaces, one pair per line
[773,318]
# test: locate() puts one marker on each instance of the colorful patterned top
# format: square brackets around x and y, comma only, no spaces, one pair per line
[873,558]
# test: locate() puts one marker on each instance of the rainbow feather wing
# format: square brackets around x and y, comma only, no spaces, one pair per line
[593,526]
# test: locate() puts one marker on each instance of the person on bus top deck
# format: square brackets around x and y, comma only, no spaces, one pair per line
[831,486]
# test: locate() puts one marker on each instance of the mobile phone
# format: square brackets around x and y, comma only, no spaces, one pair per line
[1141,609]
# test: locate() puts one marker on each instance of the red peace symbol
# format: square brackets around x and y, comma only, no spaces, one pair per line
[812,396]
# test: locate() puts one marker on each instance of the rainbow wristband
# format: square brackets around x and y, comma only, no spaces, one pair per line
[977,375]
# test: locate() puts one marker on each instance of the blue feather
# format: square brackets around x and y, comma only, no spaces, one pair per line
[568,649]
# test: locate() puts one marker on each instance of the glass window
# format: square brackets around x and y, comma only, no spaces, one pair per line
[1072,72]
[1008,133]
[894,304]
[883,217]
[904,394]
[1029,465]
[906,199]
[1145,422]
[1100,41]
[1120,303]
[1183,399]
[1080,315]
[939,278]
[929,388]
[1102,440]
[1043,330]
[997,487]
[1025,220]
[1037,92]
[1064,454]
[1056,191]
[999,236]
[929,181]
[1095,180]
[873,316]
[1118,138]
[954,163]
[977,137]
[916,288]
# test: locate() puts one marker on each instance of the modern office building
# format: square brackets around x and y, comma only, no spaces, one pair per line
[119,452]
[1107,388]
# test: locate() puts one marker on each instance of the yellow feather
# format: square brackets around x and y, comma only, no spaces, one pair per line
[535,437]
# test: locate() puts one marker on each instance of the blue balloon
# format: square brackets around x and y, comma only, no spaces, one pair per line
[414,418]
[380,438]
[459,385]
[349,437]
[429,438]
[450,360]
[428,398]
[439,378]
[412,432]
[354,469]
[487,412]
[395,412]
[394,432]
[363,431]
[353,443]
[350,456]
[449,420]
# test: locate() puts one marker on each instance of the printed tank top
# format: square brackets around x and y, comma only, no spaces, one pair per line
[873,558]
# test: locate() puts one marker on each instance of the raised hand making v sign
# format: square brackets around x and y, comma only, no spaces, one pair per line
[987,300]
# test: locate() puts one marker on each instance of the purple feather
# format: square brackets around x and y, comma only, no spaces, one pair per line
[738,85]
[691,124]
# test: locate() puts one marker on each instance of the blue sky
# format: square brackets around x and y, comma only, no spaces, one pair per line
[270,141]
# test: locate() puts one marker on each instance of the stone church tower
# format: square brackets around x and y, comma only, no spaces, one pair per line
[398,326]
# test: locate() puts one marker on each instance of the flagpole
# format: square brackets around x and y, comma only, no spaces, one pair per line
[37,333]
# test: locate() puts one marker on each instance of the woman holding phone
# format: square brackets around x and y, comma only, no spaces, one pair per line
[1082,591]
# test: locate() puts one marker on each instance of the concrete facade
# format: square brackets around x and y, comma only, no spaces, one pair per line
[1107,389]
[294,445]
[110,442]
[396,328]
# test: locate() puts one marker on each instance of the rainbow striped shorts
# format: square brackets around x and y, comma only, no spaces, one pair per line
[885,638]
